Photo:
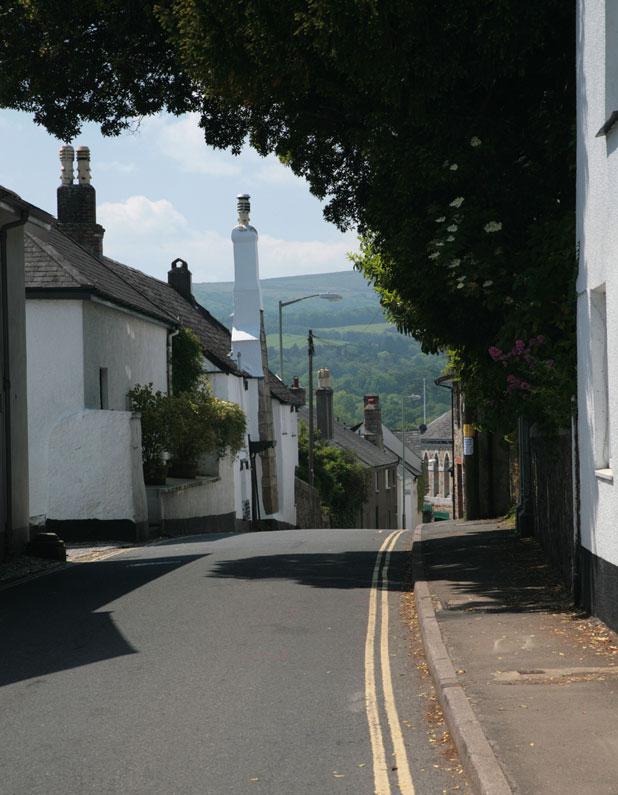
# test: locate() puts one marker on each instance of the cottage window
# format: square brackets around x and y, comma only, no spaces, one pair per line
[599,369]
[426,473]
[376,480]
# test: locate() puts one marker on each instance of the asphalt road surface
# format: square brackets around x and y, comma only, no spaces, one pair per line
[265,663]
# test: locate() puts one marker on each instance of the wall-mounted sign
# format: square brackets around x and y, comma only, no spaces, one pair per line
[468,445]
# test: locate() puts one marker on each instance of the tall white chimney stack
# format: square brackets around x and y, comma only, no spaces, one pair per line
[247,323]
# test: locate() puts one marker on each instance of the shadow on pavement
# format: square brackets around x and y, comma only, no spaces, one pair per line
[319,570]
[54,623]
[499,571]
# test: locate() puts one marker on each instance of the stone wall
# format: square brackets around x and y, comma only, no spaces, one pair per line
[308,507]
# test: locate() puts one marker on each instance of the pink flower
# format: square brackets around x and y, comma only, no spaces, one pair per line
[495,353]
[520,346]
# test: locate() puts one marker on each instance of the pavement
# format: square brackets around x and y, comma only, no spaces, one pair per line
[529,686]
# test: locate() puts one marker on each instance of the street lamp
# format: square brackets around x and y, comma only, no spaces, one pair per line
[325,296]
[403,455]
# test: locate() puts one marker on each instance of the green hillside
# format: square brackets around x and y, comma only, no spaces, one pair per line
[363,352]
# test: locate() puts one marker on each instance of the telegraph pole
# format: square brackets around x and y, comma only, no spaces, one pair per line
[310,352]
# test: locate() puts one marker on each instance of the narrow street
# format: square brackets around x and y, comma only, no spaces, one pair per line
[258,663]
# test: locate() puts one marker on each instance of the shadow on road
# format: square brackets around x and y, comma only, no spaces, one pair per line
[54,623]
[319,570]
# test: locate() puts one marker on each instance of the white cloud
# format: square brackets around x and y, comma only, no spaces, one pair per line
[182,141]
[149,234]
[115,166]
[139,216]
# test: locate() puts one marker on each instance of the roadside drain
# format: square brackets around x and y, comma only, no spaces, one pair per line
[555,676]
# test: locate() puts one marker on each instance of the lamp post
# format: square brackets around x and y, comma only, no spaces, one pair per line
[325,296]
[403,456]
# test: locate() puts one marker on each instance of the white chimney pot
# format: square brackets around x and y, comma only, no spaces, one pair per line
[66,164]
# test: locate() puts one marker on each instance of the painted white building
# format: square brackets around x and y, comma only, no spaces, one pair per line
[597,303]
[90,338]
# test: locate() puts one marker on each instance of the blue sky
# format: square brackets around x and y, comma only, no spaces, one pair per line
[162,193]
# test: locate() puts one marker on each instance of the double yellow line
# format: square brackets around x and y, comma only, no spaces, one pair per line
[379,586]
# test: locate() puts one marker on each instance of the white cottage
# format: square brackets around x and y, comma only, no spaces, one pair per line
[597,303]
[90,338]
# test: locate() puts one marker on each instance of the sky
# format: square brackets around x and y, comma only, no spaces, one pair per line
[162,194]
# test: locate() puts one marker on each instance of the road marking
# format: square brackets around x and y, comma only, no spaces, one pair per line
[380,770]
[406,787]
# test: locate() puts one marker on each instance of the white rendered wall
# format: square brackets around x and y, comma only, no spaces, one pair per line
[285,421]
[133,350]
[412,518]
[597,235]
[54,343]
[231,387]
[203,497]
[95,467]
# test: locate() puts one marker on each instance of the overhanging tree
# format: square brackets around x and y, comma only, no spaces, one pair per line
[443,132]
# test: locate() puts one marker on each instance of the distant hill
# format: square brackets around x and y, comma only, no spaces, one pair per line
[364,352]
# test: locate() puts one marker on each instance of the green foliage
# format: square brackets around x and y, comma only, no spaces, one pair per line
[153,407]
[199,423]
[445,138]
[338,477]
[187,358]
[186,425]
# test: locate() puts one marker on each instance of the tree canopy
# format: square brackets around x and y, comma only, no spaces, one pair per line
[443,132]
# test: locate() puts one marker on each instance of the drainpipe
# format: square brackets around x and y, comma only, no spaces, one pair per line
[6,373]
[170,336]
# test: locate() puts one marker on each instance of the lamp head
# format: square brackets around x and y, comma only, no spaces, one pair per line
[330,296]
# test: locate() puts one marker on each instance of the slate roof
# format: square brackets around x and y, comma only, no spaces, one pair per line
[440,430]
[392,442]
[53,261]
[368,454]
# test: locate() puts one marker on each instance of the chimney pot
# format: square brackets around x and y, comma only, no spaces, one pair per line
[66,164]
[243,205]
[83,165]
[373,420]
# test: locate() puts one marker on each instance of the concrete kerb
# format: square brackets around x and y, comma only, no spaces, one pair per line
[477,756]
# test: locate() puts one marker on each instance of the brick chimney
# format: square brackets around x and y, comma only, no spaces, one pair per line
[179,277]
[324,404]
[373,420]
[297,389]
[77,202]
